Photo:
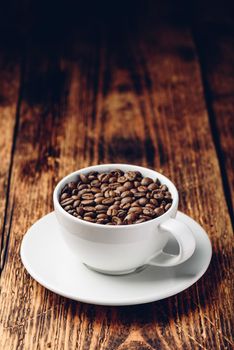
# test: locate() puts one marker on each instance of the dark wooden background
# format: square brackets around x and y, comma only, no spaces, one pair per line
[148,83]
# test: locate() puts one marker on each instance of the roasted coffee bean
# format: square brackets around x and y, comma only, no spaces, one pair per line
[87,196]
[95,183]
[114,206]
[142,201]
[150,205]
[71,211]
[112,179]
[98,200]
[120,189]
[75,197]
[113,185]
[148,211]
[89,219]
[139,221]
[80,193]
[72,185]
[80,210]
[145,217]
[122,179]
[84,179]
[115,198]
[104,178]
[92,175]
[102,221]
[90,214]
[156,191]
[135,203]
[158,195]
[142,189]
[139,175]
[125,206]
[95,190]
[168,194]
[126,200]
[126,194]
[89,208]
[152,186]
[64,196]
[112,212]
[130,218]
[139,194]
[108,201]
[168,206]
[87,202]
[66,202]
[146,181]
[104,187]
[158,211]
[97,195]
[135,210]
[101,207]
[154,202]
[117,172]
[116,220]
[76,203]
[102,216]
[168,198]
[68,207]
[128,185]
[157,181]
[107,194]
[82,186]
[131,175]
[121,213]
[65,189]
[101,176]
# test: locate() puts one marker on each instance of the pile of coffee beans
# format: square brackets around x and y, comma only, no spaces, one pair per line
[115,198]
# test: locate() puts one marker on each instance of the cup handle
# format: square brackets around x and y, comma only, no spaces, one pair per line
[186,242]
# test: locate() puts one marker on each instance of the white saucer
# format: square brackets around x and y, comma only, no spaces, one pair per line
[49,262]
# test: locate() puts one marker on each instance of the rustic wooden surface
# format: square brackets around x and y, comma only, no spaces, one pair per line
[215,43]
[141,96]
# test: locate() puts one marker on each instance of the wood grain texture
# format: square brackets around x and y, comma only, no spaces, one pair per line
[9,78]
[110,97]
[214,37]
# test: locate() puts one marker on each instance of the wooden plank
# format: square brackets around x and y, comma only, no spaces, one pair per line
[216,51]
[142,102]
[9,90]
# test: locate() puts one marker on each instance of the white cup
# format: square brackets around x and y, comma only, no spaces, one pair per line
[122,249]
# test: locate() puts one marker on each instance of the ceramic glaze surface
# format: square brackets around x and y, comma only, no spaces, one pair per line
[118,249]
[50,262]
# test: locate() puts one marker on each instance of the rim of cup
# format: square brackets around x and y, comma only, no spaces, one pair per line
[74,219]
